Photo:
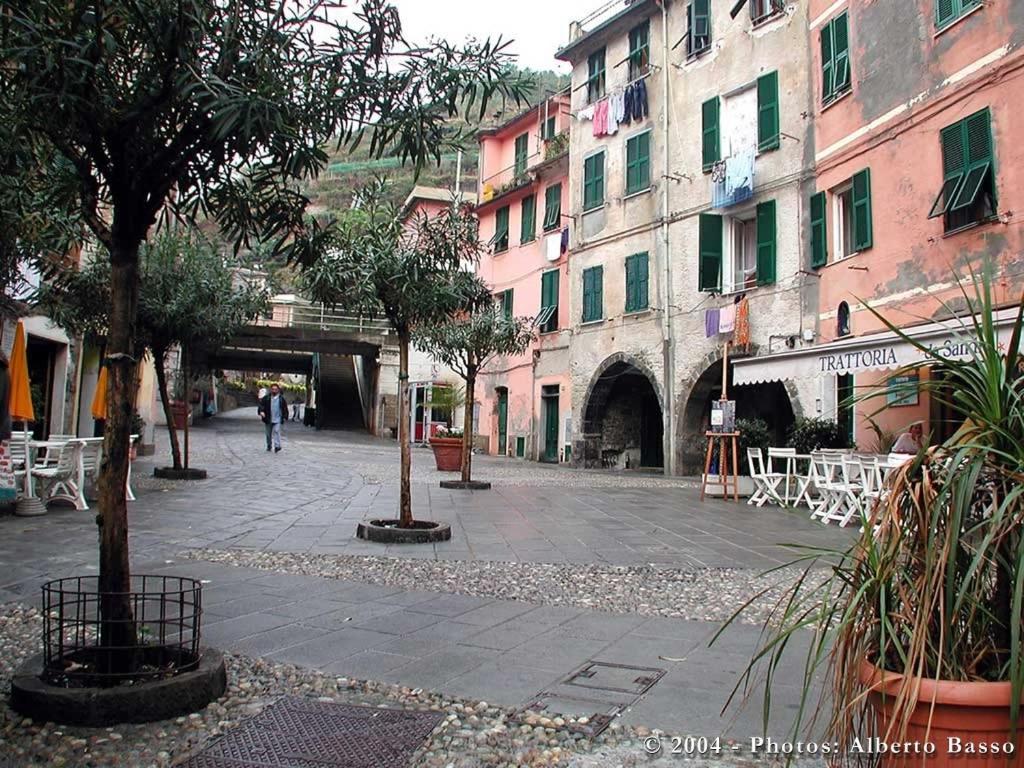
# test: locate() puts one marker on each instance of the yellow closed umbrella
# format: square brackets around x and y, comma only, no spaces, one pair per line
[20,401]
[99,400]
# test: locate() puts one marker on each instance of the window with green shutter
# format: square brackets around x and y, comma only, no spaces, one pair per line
[547,319]
[711,151]
[639,50]
[819,230]
[528,225]
[638,163]
[636,282]
[593,182]
[768,112]
[552,207]
[968,193]
[698,27]
[522,148]
[593,294]
[595,76]
[501,229]
[710,253]
[863,231]
[549,128]
[766,242]
[948,11]
[835,58]
[506,304]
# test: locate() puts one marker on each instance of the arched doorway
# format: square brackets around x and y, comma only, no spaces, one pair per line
[623,425]
[769,401]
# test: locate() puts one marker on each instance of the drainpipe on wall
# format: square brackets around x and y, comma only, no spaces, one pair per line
[667,347]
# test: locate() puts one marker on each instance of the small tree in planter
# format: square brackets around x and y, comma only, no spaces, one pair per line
[138,109]
[919,623]
[466,343]
[414,275]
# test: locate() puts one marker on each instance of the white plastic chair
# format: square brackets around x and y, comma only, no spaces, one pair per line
[58,479]
[92,457]
[755,460]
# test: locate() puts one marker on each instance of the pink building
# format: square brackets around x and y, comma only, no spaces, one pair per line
[919,165]
[524,402]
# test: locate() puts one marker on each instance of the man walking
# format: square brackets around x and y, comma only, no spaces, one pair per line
[274,412]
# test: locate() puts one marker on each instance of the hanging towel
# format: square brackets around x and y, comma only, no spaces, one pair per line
[741,337]
[727,319]
[615,110]
[587,113]
[552,246]
[739,175]
[711,322]
[565,240]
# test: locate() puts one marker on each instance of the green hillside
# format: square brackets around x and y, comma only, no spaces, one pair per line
[348,171]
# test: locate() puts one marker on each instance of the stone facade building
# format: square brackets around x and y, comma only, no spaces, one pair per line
[690,207]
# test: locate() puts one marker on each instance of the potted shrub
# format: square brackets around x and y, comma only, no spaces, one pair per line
[447,446]
[812,434]
[918,624]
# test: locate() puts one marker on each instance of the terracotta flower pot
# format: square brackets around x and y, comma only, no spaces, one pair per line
[447,453]
[968,723]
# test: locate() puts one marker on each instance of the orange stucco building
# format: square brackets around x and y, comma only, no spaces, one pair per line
[919,175]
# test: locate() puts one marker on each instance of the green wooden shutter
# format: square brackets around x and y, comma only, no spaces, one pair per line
[710,248]
[768,112]
[501,229]
[863,234]
[827,69]
[976,138]
[636,282]
[638,163]
[528,227]
[945,12]
[552,207]
[841,53]
[592,289]
[711,151]
[954,167]
[506,304]
[766,242]
[521,152]
[819,230]
[593,181]
[549,298]
[701,25]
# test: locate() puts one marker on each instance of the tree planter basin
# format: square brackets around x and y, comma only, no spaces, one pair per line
[170,473]
[947,713]
[388,532]
[744,485]
[447,453]
[465,485]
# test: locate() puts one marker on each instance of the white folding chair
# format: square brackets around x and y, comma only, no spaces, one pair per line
[129,494]
[755,459]
[849,491]
[786,457]
[89,465]
[829,468]
[58,479]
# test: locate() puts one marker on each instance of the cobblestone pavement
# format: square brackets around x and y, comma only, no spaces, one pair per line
[656,571]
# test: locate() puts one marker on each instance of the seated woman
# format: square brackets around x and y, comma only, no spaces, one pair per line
[910,441]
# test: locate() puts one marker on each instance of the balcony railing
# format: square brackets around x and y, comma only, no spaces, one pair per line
[319,317]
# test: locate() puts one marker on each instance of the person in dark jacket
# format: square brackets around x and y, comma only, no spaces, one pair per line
[273,410]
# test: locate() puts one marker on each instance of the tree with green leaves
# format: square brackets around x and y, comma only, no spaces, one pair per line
[188,301]
[143,111]
[412,273]
[466,343]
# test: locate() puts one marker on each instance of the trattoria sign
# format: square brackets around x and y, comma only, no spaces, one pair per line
[895,355]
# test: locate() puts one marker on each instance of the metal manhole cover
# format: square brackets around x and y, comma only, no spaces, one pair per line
[620,678]
[303,733]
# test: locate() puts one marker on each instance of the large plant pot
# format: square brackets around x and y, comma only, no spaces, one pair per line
[447,453]
[957,718]
[179,412]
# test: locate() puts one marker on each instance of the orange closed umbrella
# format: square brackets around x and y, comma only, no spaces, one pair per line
[99,400]
[21,395]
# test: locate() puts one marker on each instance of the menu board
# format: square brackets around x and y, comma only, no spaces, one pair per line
[723,416]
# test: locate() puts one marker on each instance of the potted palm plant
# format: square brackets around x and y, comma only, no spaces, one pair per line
[918,625]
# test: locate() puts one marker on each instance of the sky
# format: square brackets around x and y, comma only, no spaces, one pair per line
[538,27]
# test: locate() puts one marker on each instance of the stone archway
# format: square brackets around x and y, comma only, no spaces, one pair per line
[622,420]
[774,402]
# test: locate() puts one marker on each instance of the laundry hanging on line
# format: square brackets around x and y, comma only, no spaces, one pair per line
[711,317]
